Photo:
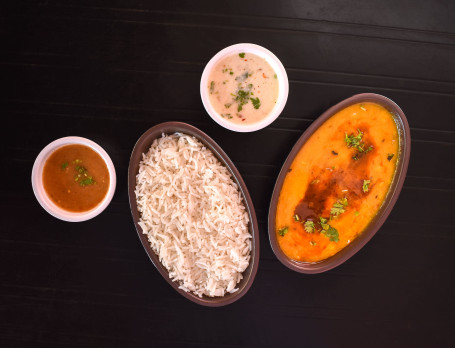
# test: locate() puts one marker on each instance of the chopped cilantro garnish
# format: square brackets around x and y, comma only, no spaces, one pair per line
[231,73]
[323,223]
[365,187]
[212,87]
[331,233]
[389,156]
[87,181]
[64,165]
[256,103]
[353,140]
[274,76]
[283,231]
[338,207]
[228,116]
[242,97]
[356,142]
[227,106]
[309,226]
[242,55]
[344,201]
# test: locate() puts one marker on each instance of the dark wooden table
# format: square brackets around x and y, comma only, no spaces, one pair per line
[108,70]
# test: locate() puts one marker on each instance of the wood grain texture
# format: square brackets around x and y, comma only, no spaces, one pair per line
[109,70]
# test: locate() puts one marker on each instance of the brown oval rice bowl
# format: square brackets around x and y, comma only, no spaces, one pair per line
[142,146]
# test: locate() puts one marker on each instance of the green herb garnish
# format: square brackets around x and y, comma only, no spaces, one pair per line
[256,103]
[365,187]
[356,213]
[227,106]
[64,165]
[283,231]
[87,181]
[242,97]
[228,116]
[338,207]
[231,73]
[331,233]
[354,140]
[212,87]
[274,76]
[323,223]
[389,156]
[242,55]
[309,226]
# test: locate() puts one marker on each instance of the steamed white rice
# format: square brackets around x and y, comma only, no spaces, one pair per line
[193,214]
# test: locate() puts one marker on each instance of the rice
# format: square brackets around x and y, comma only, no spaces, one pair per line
[193,215]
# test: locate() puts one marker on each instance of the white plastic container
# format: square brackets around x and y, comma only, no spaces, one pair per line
[283,86]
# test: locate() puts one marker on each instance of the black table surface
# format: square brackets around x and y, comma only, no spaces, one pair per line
[109,70]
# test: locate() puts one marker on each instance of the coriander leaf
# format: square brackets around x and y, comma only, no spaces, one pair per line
[242,55]
[256,103]
[337,209]
[87,181]
[331,233]
[365,187]
[323,223]
[212,87]
[309,226]
[64,165]
[242,97]
[353,140]
[344,201]
[389,156]
[283,231]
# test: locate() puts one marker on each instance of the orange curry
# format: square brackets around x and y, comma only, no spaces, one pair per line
[337,182]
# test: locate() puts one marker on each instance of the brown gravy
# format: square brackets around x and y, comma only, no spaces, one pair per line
[76,178]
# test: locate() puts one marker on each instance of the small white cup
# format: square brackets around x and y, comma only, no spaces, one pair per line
[40,192]
[283,86]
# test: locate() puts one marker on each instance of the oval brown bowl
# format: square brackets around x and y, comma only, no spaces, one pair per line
[384,211]
[142,146]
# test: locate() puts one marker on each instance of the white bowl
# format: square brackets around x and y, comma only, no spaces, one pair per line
[283,86]
[40,192]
